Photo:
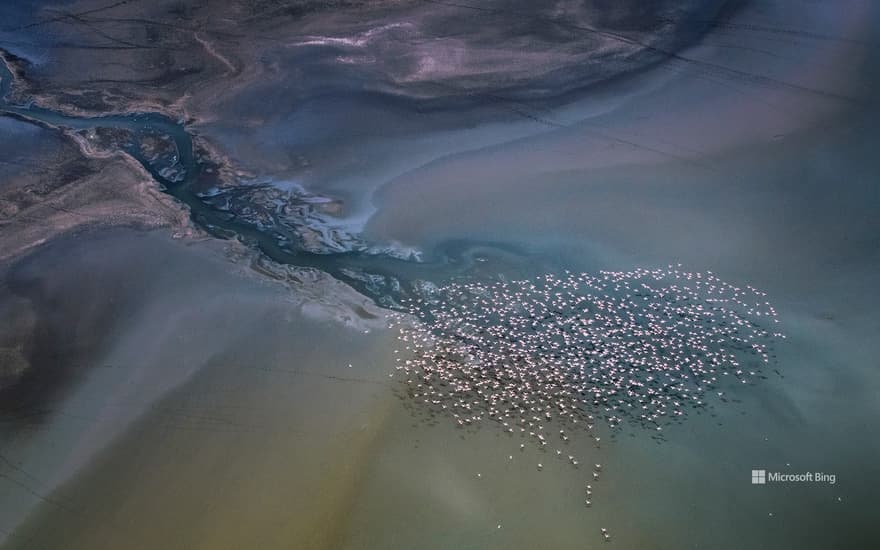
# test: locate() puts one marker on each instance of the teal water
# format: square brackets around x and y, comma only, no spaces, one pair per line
[236,454]
[383,277]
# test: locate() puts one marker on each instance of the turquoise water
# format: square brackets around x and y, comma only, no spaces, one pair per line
[242,423]
[391,278]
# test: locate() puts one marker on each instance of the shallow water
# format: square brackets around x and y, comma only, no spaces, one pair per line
[269,436]
[207,409]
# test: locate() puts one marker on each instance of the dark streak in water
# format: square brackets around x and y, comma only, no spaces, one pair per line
[192,174]
[665,54]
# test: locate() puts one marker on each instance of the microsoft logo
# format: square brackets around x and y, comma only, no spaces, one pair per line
[762,477]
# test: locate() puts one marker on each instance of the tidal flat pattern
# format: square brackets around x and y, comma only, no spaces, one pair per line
[310,167]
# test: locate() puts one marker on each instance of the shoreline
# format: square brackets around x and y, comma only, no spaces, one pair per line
[182,389]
